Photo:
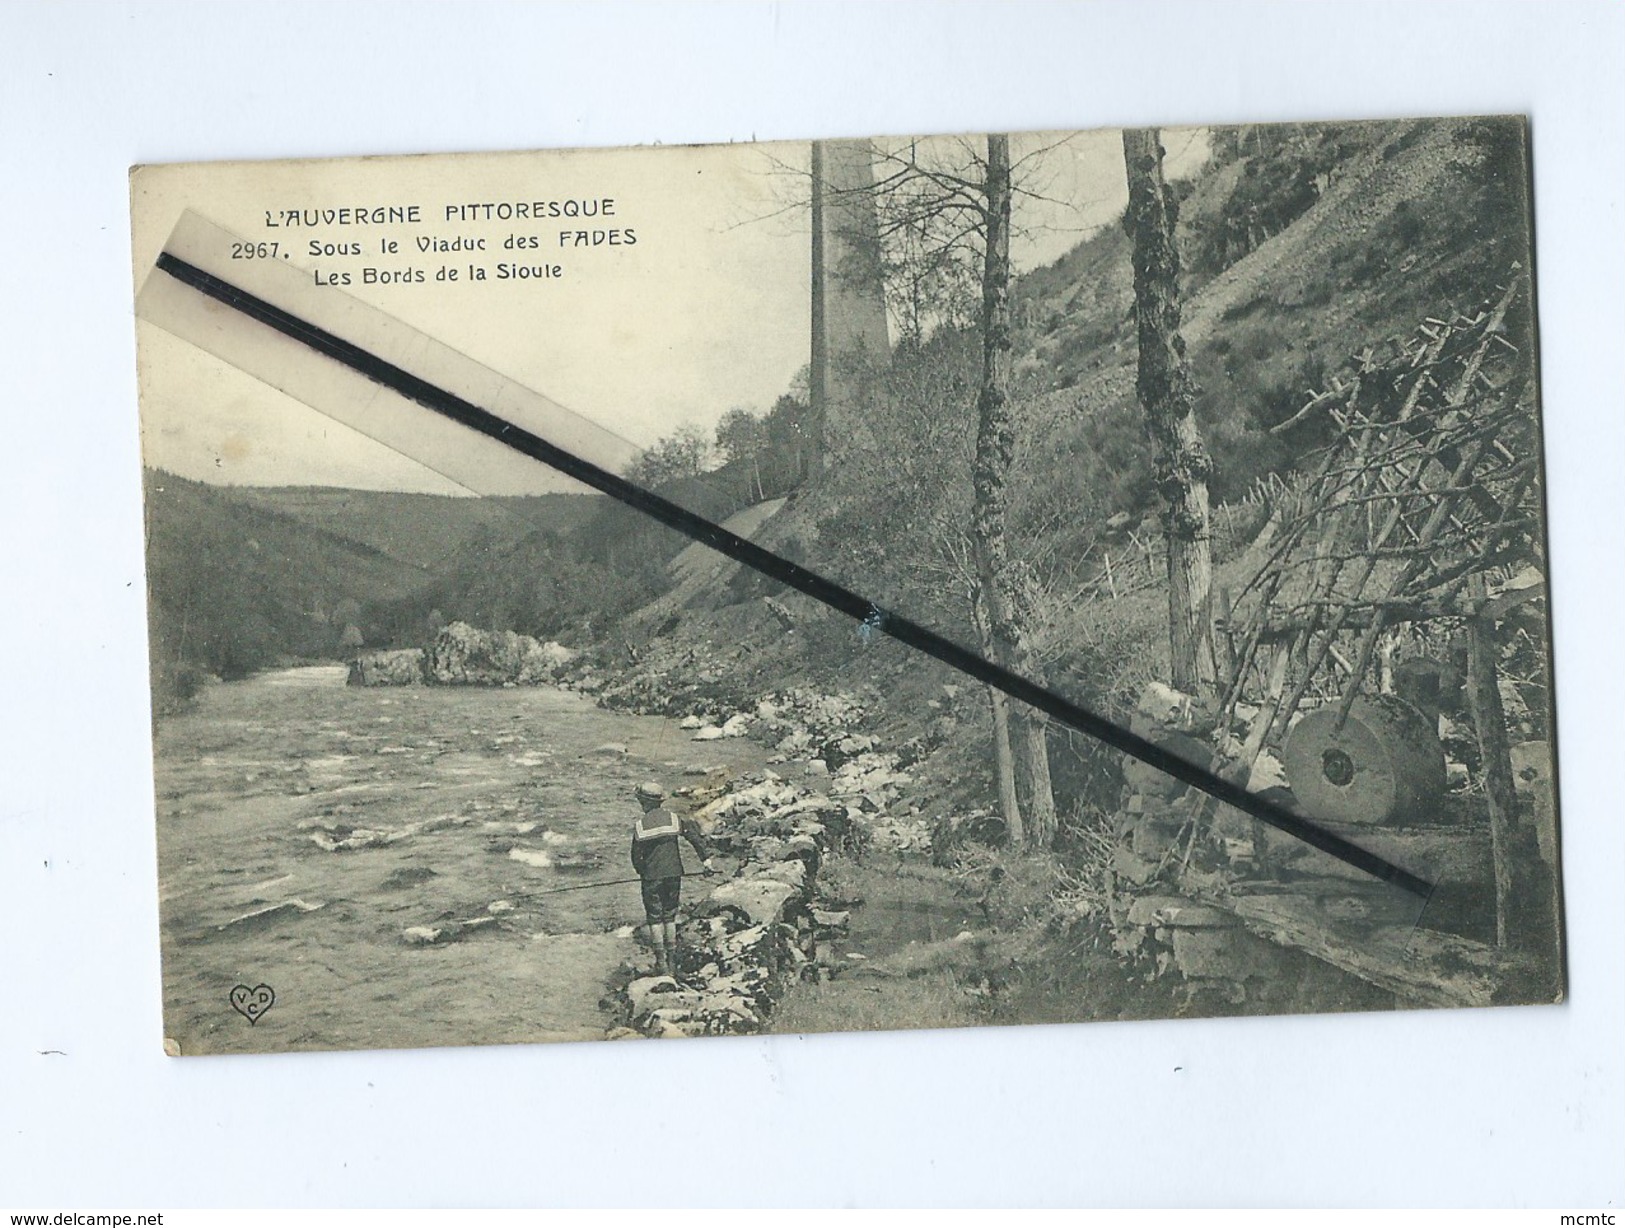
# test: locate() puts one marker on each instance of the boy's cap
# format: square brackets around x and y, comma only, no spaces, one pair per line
[651,790]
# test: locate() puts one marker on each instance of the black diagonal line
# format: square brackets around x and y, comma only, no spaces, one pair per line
[782,569]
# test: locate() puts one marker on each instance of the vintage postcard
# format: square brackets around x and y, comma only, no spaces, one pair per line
[858,584]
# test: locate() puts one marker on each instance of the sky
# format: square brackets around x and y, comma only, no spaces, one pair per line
[700,303]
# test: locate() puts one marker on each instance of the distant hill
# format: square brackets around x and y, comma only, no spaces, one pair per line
[570,579]
[420,530]
[242,578]
[235,585]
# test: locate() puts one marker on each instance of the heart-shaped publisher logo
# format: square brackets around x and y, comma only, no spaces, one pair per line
[252,1003]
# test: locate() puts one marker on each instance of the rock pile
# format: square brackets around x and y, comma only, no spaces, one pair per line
[823,735]
[1163,832]
[462,655]
[1171,840]
[663,684]
[465,656]
[820,739]
[758,931]
[753,935]
[391,667]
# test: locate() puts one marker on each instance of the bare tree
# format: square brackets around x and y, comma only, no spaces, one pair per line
[1002,591]
[936,212]
[1164,386]
[943,214]
[932,205]
[741,437]
[685,453]
[995,441]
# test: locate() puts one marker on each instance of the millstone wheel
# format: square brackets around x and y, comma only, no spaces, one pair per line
[1385,765]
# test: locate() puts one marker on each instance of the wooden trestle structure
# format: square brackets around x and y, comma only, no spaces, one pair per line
[1414,533]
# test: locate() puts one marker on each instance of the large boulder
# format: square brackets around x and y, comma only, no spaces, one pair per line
[462,655]
[651,993]
[392,667]
[792,873]
[763,900]
[541,662]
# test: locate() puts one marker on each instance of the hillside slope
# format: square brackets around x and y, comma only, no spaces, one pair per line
[423,531]
[235,585]
[1384,225]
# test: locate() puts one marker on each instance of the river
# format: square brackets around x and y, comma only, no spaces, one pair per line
[305,826]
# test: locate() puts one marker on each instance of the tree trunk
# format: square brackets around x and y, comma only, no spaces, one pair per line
[1525,916]
[1032,730]
[1004,768]
[1489,722]
[997,578]
[1182,461]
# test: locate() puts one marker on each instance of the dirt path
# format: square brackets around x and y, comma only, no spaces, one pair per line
[428,794]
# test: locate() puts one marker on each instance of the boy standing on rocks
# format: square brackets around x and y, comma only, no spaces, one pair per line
[658,859]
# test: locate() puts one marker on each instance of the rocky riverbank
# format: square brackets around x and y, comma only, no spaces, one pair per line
[832,791]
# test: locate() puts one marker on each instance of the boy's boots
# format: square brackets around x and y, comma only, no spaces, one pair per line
[668,947]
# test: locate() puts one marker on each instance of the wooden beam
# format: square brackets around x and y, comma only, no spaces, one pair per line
[1420,967]
[1489,721]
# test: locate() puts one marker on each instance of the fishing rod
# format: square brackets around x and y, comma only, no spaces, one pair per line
[619,882]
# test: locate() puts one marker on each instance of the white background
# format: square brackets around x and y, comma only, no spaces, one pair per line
[1496,1107]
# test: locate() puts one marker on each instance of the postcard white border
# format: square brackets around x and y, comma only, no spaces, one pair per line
[1500,1108]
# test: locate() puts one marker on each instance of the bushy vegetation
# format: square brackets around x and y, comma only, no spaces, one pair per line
[893,522]
[421,531]
[1434,251]
[1280,171]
